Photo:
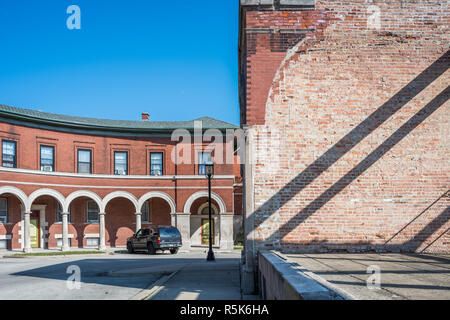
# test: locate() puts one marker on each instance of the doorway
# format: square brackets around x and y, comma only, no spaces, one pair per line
[206,230]
[35,227]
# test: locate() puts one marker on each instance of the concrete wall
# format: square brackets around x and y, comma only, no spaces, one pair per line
[280,280]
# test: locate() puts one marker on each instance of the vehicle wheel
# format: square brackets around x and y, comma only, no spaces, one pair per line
[151,248]
[174,251]
[130,248]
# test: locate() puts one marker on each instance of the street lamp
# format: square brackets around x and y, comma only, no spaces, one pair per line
[209,172]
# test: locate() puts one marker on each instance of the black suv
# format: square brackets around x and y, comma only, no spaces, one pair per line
[154,238]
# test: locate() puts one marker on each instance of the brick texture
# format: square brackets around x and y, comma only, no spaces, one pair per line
[349,125]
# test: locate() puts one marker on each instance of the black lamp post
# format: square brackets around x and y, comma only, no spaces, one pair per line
[209,171]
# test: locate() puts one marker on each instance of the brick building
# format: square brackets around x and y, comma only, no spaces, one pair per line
[346,108]
[80,182]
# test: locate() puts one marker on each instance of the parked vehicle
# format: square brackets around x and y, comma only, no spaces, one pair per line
[155,238]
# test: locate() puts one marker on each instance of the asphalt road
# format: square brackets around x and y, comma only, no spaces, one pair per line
[118,276]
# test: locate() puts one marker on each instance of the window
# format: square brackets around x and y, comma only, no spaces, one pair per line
[156,164]
[9,154]
[59,215]
[121,163]
[146,212]
[92,211]
[92,242]
[203,158]
[59,242]
[84,161]
[3,210]
[47,158]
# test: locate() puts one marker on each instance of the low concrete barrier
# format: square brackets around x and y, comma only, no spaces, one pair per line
[281,280]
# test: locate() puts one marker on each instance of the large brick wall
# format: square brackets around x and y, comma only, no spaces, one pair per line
[348,125]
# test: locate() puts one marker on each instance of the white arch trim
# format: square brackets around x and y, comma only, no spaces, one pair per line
[47,192]
[19,194]
[119,194]
[83,193]
[201,194]
[157,194]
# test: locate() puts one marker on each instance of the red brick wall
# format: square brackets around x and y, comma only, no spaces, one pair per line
[357,119]
[29,141]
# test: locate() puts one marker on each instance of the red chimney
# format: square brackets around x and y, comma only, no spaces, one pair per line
[145,116]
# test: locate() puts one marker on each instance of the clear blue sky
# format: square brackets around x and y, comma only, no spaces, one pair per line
[175,59]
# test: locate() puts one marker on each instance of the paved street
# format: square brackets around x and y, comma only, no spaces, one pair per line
[403,276]
[118,276]
[218,280]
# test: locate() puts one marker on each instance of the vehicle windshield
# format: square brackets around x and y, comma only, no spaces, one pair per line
[168,232]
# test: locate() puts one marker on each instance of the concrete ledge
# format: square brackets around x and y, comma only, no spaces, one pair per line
[280,280]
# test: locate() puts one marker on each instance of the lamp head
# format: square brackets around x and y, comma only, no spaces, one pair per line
[209,169]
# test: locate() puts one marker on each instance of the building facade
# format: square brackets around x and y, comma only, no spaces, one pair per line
[72,182]
[346,108]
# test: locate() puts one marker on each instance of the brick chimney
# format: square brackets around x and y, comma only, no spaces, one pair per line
[145,116]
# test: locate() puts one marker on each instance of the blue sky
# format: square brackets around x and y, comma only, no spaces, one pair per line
[175,59]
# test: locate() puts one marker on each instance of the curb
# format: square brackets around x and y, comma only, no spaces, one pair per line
[55,256]
[154,288]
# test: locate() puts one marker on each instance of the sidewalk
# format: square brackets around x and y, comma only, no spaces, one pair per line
[202,280]
[402,276]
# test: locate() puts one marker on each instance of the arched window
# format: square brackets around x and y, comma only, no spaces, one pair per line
[146,212]
[59,214]
[204,209]
[92,211]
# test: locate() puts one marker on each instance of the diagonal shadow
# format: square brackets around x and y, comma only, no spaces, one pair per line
[429,229]
[432,242]
[447,193]
[361,167]
[355,136]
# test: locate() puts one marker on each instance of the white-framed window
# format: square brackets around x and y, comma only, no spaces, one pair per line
[47,158]
[60,242]
[59,215]
[3,210]
[156,164]
[84,161]
[145,217]
[120,162]
[92,211]
[92,242]
[3,244]
[9,154]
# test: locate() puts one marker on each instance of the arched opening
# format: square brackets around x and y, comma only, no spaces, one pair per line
[200,222]
[120,221]
[45,227]
[12,204]
[84,208]
[156,208]
[156,211]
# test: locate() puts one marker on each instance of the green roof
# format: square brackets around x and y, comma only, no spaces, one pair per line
[29,117]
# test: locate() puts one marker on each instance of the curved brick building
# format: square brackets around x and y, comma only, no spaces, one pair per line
[80,182]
